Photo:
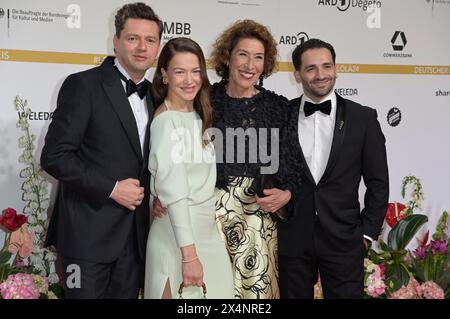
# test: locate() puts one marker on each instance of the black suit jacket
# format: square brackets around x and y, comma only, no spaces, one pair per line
[91,143]
[358,150]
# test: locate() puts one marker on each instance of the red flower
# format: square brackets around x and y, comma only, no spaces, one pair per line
[11,220]
[382,269]
[394,213]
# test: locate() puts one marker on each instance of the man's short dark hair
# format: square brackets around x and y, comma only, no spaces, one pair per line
[136,10]
[308,45]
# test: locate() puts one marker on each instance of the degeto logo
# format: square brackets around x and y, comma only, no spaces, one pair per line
[398,41]
[344,5]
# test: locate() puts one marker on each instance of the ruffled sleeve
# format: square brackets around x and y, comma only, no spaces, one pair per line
[289,174]
[169,175]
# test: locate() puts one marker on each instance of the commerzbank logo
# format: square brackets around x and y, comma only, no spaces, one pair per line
[344,5]
[398,41]
[398,44]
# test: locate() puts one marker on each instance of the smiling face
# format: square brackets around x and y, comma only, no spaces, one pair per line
[317,73]
[245,66]
[183,78]
[137,47]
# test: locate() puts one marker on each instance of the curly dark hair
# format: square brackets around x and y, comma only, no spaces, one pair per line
[243,29]
[309,45]
[138,10]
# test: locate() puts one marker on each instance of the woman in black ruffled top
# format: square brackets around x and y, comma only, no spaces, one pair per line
[244,114]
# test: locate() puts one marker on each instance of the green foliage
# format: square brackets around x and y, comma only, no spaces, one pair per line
[402,233]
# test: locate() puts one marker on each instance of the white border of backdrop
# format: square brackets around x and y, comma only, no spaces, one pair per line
[65,34]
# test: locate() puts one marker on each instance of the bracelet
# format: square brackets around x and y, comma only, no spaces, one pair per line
[190,260]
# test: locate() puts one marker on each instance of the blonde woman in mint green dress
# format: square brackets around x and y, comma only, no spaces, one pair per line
[184,246]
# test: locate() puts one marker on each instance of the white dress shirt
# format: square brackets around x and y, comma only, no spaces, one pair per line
[315,134]
[138,106]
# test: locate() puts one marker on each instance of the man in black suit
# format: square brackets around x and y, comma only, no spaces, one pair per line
[97,146]
[339,141]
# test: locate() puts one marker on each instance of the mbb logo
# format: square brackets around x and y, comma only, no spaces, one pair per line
[73,21]
[177,28]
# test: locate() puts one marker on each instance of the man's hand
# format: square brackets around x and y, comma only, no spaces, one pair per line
[158,210]
[128,193]
[367,243]
[275,199]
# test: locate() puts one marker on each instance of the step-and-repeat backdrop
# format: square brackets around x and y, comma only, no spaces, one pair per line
[393,55]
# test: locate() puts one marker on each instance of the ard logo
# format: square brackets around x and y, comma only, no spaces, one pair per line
[343,5]
[297,39]
[2,13]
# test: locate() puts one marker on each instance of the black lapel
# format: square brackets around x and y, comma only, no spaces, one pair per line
[296,113]
[150,108]
[338,137]
[114,90]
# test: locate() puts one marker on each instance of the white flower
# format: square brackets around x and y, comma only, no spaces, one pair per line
[50,256]
[53,278]
[31,220]
[35,259]
[42,216]
[39,267]
[39,229]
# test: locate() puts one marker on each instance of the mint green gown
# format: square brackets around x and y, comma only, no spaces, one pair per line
[183,176]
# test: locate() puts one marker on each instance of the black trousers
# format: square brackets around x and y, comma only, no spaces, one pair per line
[341,270]
[121,278]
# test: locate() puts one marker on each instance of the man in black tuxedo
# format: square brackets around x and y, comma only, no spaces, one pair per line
[97,146]
[339,141]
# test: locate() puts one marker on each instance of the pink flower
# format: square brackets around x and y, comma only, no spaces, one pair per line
[408,259]
[411,291]
[382,270]
[19,286]
[420,252]
[21,241]
[374,285]
[439,246]
[431,290]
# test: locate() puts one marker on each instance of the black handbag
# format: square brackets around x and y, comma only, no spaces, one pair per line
[266,181]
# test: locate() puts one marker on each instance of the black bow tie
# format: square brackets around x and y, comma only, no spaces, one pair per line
[324,107]
[131,87]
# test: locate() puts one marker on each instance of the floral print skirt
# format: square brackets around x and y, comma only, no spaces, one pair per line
[251,239]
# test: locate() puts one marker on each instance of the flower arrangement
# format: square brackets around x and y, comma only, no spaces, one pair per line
[26,267]
[393,271]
